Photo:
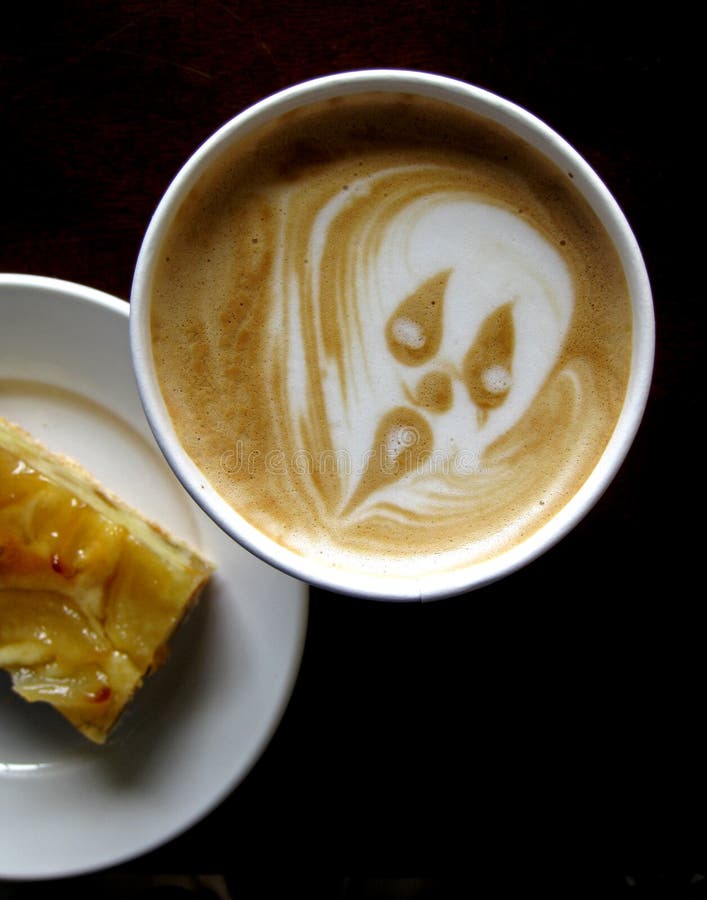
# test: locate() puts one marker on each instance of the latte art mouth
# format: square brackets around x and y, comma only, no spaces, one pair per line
[390,334]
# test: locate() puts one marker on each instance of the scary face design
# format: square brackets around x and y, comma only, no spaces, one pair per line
[428,338]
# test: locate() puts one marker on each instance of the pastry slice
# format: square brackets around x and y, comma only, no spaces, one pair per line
[90,592]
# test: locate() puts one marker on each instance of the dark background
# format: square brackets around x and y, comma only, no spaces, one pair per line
[543,731]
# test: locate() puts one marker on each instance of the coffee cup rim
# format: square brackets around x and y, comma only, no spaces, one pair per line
[521,122]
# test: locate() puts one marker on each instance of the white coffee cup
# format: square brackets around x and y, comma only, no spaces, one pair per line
[323,570]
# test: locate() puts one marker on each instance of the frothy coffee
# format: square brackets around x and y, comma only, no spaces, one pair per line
[391,334]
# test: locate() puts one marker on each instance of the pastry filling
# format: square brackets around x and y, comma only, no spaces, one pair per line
[90,591]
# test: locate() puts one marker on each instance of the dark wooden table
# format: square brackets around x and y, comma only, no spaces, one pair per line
[553,717]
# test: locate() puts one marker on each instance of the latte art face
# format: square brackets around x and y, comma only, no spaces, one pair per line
[466,311]
[391,334]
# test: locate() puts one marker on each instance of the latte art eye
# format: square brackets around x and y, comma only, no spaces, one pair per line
[486,369]
[414,331]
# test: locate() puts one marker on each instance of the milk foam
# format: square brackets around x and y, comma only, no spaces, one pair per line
[390,334]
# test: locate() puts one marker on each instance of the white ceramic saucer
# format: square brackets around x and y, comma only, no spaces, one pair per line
[200,723]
